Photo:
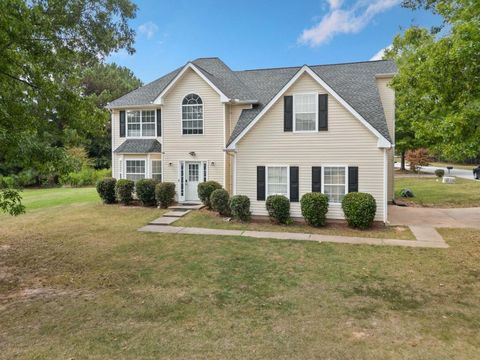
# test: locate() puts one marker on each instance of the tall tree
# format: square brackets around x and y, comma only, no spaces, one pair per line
[104,83]
[44,45]
[438,84]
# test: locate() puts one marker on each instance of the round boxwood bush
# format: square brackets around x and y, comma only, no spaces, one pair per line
[124,191]
[165,194]
[240,207]
[278,207]
[106,189]
[145,189]
[205,189]
[359,209]
[439,173]
[219,201]
[314,207]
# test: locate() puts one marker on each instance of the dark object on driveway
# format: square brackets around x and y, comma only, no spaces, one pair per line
[476,173]
[406,193]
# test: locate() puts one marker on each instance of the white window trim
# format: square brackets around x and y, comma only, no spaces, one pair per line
[203,114]
[266,180]
[323,180]
[295,114]
[141,123]
[161,167]
[136,159]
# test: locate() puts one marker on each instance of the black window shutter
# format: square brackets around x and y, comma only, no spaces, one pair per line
[122,123]
[159,122]
[323,112]
[260,182]
[288,113]
[316,179]
[294,183]
[352,179]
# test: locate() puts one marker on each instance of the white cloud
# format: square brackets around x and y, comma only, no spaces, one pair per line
[148,29]
[341,20]
[380,53]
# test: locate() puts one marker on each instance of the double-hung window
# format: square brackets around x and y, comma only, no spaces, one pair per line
[141,123]
[335,183]
[277,180]
[192,115]
[157,170]
[135,169]
[305,112]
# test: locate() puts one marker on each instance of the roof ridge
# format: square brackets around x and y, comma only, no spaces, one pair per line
[299,66]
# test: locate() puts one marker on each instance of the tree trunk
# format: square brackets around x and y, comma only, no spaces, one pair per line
[402,161]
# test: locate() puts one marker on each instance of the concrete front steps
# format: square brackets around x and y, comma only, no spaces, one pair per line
[175,213]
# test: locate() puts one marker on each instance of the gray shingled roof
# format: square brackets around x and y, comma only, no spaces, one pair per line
[139,146]
[353,82]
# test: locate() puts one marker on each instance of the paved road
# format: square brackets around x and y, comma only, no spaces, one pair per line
[461,173]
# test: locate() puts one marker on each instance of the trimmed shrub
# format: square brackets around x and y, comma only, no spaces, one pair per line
[165,194]
[359,209]
[145,189]
[240,207]
[124,191]
[219,201]
[278,207]
[406,193]
[205,189]
[439,173]
[314,207]
[106,189]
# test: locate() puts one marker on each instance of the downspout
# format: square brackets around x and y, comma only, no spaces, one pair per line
[385,185]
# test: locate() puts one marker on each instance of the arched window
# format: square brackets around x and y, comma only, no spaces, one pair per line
[192,115]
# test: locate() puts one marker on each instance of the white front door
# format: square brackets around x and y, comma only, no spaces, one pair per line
[192,178]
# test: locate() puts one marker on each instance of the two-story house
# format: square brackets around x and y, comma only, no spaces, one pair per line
[327,128]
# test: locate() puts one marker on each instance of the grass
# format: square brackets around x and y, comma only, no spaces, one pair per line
[432,193]
[81,282]
[209,219]
[38,199]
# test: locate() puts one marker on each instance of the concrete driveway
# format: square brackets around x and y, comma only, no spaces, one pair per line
[453,218]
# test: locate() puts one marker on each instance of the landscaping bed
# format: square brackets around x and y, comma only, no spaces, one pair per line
[208,219]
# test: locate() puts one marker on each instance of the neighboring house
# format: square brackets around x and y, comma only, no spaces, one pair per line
[289,131]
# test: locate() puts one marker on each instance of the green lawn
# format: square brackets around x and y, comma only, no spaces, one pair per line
[432,193]
[38,199]
[80,282]
[210,219]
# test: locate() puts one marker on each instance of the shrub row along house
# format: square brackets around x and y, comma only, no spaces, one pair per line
[289,131]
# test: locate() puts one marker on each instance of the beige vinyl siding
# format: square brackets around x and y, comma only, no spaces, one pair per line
[235,112]
[226,158]
[207,146]
[347,142]
[117,140]
[387,96]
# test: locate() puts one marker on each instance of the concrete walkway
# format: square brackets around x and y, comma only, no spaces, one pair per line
[425,239]
[434,217]
[175,213]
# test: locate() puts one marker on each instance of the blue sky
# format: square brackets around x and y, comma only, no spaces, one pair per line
[263,33]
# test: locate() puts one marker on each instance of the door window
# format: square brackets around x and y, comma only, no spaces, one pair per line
[193,172]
